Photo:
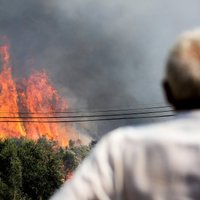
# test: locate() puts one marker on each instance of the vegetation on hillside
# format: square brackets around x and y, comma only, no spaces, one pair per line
[33,170]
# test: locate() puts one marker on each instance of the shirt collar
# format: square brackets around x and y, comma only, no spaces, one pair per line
[189,113]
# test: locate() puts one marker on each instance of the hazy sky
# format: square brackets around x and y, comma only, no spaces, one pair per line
[99,53]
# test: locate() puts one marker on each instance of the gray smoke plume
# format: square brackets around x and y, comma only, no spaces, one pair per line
[99,53]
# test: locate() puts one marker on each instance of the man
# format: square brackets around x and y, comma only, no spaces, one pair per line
[152,162]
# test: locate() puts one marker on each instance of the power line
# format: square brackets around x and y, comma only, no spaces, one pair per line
[116,110]
[85,116]
[91,111]
[86,120]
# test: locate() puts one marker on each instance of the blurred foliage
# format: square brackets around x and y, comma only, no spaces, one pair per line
[33,170]
[73,155]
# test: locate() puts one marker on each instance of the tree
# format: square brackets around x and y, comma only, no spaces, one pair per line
[42,168]
[10,171]
[73,156]
[33,170]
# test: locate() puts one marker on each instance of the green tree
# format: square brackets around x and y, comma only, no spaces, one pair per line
[42,170]
[33,170]
[10,171]
[73,156]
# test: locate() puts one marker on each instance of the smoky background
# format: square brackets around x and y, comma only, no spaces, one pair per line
[99,54]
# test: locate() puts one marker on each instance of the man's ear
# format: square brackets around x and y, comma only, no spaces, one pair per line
[168,93]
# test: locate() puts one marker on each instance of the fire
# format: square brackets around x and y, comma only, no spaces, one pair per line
[29,100]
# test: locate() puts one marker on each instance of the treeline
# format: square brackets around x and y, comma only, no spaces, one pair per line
[33,170]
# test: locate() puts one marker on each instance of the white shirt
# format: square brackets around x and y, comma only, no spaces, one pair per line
[152,162]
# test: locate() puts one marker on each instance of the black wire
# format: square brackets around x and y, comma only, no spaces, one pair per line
[86,120]
[91,111]
[85,116]
[115,110]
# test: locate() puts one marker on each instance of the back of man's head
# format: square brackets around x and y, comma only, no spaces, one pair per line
[182,81]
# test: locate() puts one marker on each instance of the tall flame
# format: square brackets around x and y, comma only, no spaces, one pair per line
[34,95]
[8,98]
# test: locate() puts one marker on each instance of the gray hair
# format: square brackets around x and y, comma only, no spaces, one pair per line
[183,66]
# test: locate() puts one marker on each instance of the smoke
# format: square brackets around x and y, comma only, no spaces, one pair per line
[100,54]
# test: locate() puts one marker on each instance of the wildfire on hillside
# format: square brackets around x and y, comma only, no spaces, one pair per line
[29,99]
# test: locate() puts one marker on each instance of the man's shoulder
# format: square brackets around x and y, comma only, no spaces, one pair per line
[181,130]
[141,131]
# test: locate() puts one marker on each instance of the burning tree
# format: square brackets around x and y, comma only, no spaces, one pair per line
[30,98]
[33,165]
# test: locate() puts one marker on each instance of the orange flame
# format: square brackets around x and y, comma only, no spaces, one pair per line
[34,95]
[8,99]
